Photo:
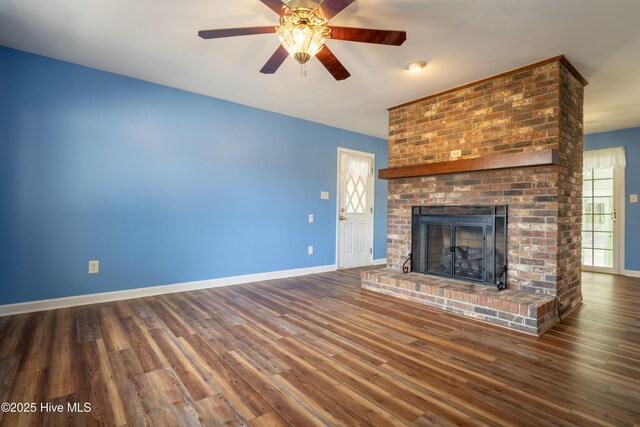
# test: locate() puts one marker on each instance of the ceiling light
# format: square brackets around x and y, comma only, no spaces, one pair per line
[416,66]
[303,33]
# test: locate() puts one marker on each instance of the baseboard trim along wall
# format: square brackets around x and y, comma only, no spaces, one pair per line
[380,261]
[632,273]
[74,301]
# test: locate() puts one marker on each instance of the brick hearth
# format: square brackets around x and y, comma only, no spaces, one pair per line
[534,108]
[524,311]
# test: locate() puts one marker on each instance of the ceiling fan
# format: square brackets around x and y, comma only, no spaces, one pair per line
[303,30]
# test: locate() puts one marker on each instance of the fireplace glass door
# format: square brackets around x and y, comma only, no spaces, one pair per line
[469,250]
[439,255]
[455,250]
[463,242]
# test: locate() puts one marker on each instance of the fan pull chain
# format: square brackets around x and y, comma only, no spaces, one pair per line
[303,70]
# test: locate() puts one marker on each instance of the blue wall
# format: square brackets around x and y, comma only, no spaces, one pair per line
[630,139]
[161,185]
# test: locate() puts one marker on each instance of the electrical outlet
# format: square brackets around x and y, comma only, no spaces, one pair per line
[324,195]
[311,219]
[94,267]
[633,198]
[456,153]
[310,250]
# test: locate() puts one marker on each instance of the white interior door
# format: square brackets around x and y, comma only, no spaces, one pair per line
[601,220]
[355,208]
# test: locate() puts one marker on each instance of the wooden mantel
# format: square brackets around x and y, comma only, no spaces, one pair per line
[501,161]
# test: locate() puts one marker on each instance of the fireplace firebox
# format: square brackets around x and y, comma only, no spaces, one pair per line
[462,242]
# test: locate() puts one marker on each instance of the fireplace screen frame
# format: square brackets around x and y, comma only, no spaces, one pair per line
[489,218]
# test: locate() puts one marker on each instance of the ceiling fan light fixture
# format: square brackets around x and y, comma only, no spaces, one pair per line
[416,66]
[303,33]
[303,30]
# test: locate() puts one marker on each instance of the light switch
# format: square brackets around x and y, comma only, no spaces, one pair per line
[310,250]
[311,218]
[94,267]
[456,153]
[324,195]
[633,198]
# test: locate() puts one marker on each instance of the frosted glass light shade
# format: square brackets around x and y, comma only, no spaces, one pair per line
[302,42]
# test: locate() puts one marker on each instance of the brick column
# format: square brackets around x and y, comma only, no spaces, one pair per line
[568,282]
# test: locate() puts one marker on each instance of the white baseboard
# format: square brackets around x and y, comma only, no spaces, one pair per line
[632,273]
[380,261]
[74,301]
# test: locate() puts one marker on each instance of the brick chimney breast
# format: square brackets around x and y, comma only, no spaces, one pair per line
[537,107]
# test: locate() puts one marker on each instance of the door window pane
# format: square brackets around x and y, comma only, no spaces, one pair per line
[356,194]
[603,187]
[355,171]
[603,241]
[587,174]
[598,205]
[602,258]
[602,173]
[603,222]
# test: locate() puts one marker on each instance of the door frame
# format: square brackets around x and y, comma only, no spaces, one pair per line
[619,198]
[372,192]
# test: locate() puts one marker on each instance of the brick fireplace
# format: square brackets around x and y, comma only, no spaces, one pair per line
[520,141]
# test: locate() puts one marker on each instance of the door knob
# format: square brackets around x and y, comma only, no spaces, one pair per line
[342,218]
[614,215]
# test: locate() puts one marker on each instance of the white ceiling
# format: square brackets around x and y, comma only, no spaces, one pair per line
[462,40]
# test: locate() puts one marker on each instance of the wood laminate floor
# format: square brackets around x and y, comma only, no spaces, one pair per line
[317,350]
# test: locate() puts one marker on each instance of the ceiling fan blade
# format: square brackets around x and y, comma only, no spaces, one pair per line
[365,35]
[276,5]
[331,8]
[233,32]
[332,64]
[275,61]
